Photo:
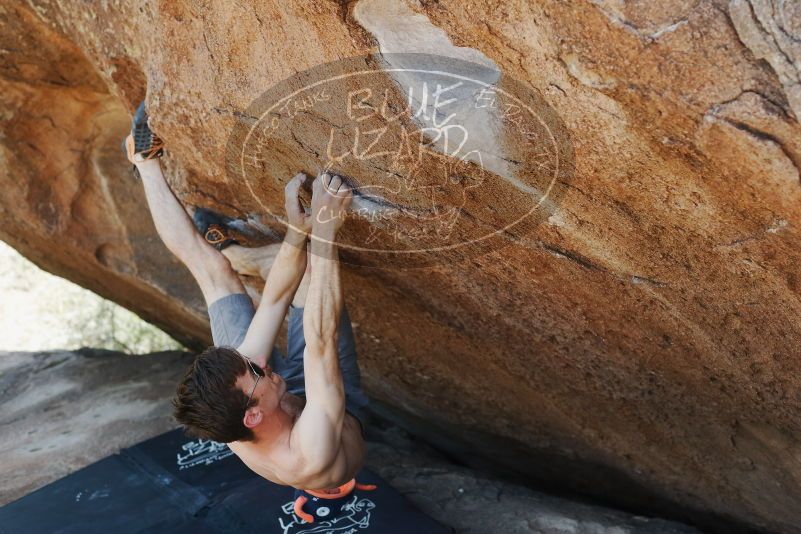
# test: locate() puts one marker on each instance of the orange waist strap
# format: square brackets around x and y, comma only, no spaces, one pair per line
[341,491]
[334,493]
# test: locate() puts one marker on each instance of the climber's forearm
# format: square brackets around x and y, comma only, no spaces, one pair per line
[287,269]
[172,222]
[325,298]
[282,282]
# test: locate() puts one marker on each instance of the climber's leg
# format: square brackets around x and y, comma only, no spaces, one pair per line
[212,270]
[258,261]
[255,261]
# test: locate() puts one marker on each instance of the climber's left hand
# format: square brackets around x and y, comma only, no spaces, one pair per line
[297,218]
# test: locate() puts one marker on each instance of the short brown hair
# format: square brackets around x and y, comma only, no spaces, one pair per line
[208,403]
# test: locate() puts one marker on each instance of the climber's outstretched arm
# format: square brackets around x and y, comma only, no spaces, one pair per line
[317,438]
[210,268]
[282,281]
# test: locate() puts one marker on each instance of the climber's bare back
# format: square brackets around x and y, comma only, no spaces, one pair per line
[279,462]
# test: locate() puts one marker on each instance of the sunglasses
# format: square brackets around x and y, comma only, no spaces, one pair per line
[258,374]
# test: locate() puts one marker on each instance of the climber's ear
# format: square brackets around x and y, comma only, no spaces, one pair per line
[253,417]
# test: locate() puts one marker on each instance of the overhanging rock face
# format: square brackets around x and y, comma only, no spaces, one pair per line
[642,316]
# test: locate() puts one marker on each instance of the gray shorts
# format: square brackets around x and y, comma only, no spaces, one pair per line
[230,318]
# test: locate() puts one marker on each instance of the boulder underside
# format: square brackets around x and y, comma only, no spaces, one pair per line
[637,338]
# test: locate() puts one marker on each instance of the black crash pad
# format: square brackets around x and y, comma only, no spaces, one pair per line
[179,485]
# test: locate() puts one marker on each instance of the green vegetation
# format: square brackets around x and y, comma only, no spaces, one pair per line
[39,311]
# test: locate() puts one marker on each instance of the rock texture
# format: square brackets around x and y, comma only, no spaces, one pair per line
[472,502]
[646,331]
[64,410]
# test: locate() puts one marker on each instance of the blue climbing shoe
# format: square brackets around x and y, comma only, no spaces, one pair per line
[213,227]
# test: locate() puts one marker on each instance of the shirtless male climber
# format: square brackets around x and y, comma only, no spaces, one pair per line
[295,419]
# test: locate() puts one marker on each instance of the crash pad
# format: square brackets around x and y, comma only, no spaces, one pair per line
[172,483]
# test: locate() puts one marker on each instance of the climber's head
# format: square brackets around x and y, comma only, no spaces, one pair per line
[214,401]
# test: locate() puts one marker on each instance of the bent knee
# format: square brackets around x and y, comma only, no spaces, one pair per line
[216,277]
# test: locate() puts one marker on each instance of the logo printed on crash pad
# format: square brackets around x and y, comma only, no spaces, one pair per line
[202,452]
[353,516]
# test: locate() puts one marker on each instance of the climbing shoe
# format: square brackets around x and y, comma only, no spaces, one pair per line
[142,144]
[213,228]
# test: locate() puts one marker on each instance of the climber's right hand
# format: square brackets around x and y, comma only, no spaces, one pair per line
[331,197]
